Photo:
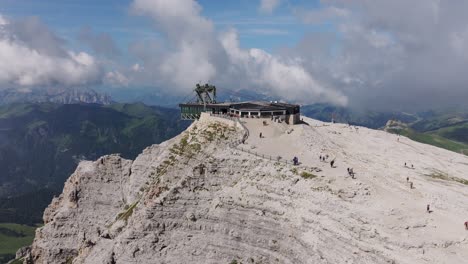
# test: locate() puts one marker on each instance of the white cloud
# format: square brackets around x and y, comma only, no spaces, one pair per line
[193,49]
[459,42]
[194,52]
[3,21]
[391,54]
[136,67]
[116,78]
[284,77]
[268,6]
[40,59]
[266,31]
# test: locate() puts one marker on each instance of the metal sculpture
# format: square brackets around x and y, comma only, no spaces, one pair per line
[206,94]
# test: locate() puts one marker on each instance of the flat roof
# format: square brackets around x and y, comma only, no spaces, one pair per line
[255,106]
[208,105]
[250,105]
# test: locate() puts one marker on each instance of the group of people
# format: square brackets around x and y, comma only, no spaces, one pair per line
[410,182]
[407,178]
[323,158]
[351,173]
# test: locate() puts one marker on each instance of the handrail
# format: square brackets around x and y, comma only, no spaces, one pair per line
[236,144]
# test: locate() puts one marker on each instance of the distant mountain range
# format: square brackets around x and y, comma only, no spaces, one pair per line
[45,133]
[440,133]
[41,144]
[160,97]
[53,95]
[367,118]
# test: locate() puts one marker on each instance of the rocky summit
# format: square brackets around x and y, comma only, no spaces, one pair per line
[214,195]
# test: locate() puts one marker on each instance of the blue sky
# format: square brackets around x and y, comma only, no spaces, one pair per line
[67,17]
[340,52]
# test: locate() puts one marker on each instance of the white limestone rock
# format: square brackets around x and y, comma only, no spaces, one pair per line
[193,199]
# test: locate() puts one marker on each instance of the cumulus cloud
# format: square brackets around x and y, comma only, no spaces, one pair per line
[391,54]
[282,76]
[194,52]
[116,78]
[192,48]
[268,6]
[3,21]
[31,55]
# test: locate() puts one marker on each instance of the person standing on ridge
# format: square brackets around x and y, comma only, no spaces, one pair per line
[295,160]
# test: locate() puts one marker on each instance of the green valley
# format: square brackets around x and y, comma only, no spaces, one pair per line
[41,144]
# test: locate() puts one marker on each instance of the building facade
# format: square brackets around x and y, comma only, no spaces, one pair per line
[289,113]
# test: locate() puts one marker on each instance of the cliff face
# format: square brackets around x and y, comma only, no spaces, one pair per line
[196,198]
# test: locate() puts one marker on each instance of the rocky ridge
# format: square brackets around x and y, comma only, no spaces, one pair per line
[54,95]
[195,198]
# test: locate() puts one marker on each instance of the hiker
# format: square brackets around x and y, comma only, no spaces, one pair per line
[411,185]
[407,179]
[466,225]
[295,160]
[320,157]
[405,164]
[349,173]
[428,209]
[412,166]
[260,134]
[331,163]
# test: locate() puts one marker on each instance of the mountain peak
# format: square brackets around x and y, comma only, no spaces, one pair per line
[204,197]
[53,95]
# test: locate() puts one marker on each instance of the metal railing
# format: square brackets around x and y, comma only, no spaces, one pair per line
[228,117]
[236,144]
